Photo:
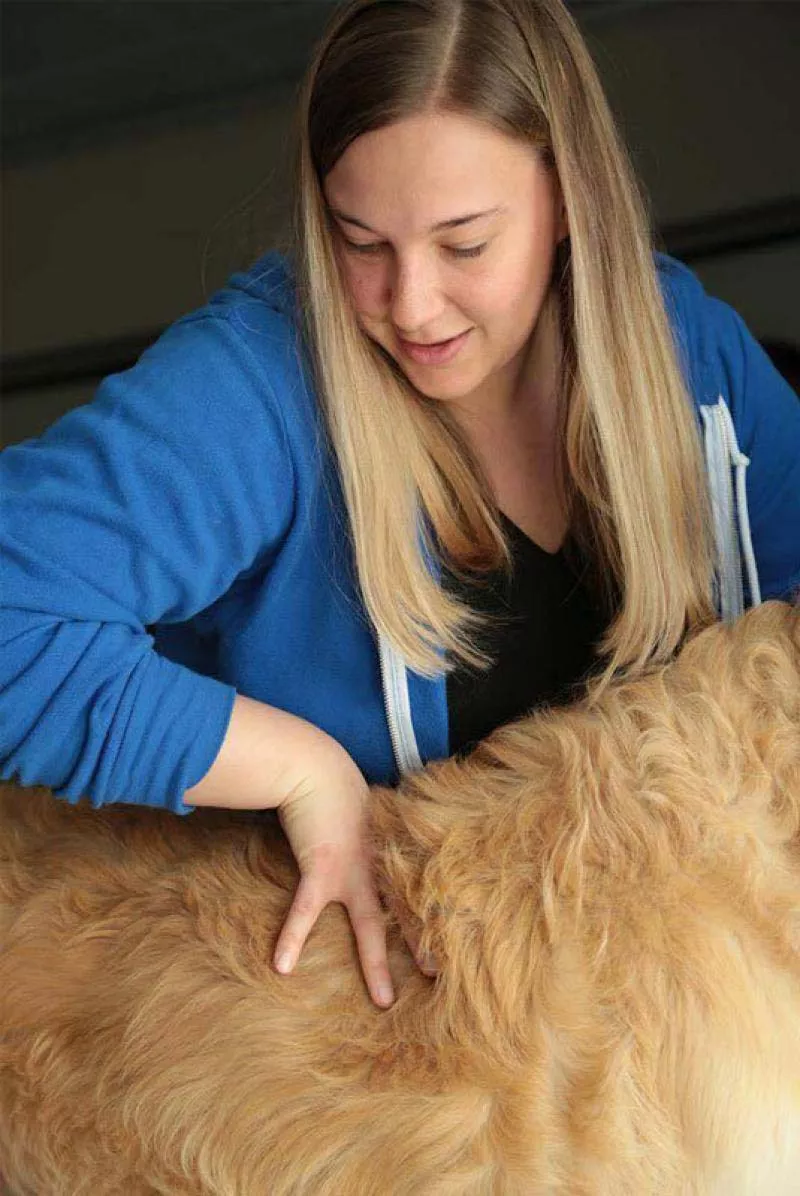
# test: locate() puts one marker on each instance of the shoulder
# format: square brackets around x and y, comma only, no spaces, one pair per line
[243,350]
[260,300]
[721,356]
[751,420]
[258,307]
[702,343]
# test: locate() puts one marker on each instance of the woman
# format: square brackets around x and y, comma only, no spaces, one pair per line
[378,499]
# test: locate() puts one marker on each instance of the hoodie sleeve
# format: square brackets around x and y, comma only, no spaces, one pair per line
[766,415]
[141,507]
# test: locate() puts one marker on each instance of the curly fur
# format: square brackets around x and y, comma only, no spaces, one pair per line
[613,894]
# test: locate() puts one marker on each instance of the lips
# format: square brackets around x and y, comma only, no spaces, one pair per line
[430,344]
[435,353]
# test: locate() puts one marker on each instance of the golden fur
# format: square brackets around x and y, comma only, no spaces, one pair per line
[612,890]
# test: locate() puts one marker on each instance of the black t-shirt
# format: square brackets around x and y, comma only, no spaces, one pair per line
[544,623]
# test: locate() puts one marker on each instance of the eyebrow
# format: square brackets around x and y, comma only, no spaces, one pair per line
[455,222]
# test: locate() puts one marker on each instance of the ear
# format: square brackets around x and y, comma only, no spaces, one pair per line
[408,826]
[438,814]
[434,839]
[448,851]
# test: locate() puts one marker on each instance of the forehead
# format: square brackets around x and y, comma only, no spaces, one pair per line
[423,164]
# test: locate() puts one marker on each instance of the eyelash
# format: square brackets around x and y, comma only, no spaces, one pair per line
[473,251]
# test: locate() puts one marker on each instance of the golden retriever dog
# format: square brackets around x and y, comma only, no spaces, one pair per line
[611,890]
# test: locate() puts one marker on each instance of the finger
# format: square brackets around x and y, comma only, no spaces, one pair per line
[370,930]
[309,901]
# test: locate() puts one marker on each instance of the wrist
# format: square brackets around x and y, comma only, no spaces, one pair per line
[266,754]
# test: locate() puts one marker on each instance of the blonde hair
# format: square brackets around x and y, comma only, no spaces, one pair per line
[632,465]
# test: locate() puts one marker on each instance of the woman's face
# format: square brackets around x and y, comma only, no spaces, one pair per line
[446,229]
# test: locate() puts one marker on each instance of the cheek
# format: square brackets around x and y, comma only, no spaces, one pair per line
[365,287]
[516,291]
[497,299]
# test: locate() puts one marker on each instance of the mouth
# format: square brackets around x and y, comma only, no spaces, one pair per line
[431,344]
[434,353]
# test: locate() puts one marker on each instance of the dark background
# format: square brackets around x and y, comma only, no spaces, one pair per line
[146,148]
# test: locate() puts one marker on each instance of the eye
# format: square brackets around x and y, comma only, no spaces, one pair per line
[374,247]
[371,247]
[473,251]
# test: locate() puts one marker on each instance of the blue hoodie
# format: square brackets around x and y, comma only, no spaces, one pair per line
[183,537]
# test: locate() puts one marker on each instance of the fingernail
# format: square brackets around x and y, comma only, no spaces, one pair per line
[284,962]
[385,994]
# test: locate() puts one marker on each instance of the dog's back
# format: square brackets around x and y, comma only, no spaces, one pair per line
[614,895]
[660,829]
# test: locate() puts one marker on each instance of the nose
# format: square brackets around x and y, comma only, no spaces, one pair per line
[416,301]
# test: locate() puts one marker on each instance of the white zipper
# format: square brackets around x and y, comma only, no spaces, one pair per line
[723,454]
[740,463]
[397,703]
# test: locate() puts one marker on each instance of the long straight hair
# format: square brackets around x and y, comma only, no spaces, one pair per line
[631,460]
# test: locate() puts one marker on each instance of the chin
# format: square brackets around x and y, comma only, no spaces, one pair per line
[442,393]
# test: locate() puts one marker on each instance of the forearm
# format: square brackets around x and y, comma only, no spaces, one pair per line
[262,759]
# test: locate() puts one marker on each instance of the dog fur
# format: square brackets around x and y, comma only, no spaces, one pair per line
[612,891]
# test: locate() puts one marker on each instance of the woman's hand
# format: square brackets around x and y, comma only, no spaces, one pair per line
[324,817]
[271,759]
